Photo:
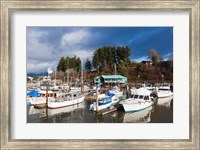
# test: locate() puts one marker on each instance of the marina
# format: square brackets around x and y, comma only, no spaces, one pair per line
[108,83]
[145,108]
[80,113]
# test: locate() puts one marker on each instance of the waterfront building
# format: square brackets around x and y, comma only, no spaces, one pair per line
[110,79]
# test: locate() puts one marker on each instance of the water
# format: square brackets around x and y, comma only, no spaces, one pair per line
[161,112]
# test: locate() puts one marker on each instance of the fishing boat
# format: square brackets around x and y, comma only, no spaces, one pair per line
[140,100]
[104,101]
[66,99]
[40,100]
[164,91]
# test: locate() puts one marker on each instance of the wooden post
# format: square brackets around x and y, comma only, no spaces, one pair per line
[92,90]
[46,95]
[97,100]
[82,88]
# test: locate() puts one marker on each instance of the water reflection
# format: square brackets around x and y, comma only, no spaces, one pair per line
[142,116]
[162,111]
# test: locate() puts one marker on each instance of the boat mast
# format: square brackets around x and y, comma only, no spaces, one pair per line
[82,88]
[55,78]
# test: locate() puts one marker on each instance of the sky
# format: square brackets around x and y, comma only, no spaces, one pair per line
[46,45]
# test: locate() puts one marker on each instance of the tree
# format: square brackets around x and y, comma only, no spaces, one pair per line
[105,57]
[88,65]
[153,55]
[62,64]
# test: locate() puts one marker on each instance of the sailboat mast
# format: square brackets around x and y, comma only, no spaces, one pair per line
[55,77]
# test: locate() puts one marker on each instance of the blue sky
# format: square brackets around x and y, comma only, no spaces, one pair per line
[45,45]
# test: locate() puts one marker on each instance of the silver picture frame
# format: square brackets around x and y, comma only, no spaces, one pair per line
[8,7]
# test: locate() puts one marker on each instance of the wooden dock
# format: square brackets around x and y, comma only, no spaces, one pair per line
[109,111]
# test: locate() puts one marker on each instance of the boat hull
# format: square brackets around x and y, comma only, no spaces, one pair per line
[42,105]
[164,94]
[54,105]
[135,107]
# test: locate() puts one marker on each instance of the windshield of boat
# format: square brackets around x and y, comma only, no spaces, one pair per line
[141,97]
[163,89]
[136,96]
[146,98]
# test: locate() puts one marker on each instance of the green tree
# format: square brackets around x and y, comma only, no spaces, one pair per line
[88,65]
[105,57]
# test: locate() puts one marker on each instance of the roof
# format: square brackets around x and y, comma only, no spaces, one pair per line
[46,85]
[113,76]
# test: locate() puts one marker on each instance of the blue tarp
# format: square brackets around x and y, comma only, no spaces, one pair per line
[111,94]
[33,93]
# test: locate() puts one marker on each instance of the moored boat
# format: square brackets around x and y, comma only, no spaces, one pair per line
[40,101]
[164,91]
[104,101]
[115,90]
[67,99]
[140,100]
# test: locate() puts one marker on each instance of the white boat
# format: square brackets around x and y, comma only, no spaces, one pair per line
[164,91]
[58,111]
[95,89]
[164,102]
[140,100]
[67,99]
[115,90]
[142,116]
[41,99]
[104,101]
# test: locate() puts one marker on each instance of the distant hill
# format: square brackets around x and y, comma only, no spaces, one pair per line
[37,74]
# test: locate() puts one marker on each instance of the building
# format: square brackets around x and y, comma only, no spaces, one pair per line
[110,79]
[147,62]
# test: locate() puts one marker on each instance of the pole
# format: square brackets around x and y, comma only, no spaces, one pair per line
[115,73]
[97,101]
[82,88]
[55,78]
[46,95]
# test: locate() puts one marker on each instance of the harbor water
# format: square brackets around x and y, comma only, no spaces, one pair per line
[160,112]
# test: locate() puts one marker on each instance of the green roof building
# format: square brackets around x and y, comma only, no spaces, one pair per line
[108,79]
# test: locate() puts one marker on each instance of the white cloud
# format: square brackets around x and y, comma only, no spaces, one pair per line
[42,54]
[75,37]
[166,56]
[140,59]
[73,43]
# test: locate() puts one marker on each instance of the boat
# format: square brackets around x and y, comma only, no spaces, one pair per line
[94,89]
[40,100]
[66,99]
[140,100]
[164,91]
[164,102]
[104,101]
[116,90]
[59,111]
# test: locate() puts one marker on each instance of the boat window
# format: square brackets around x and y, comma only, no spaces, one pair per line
[141,97]
[146,98]
[74,95]
[163,89]
[136,96]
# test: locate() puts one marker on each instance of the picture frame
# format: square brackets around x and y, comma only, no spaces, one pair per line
[8,7]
